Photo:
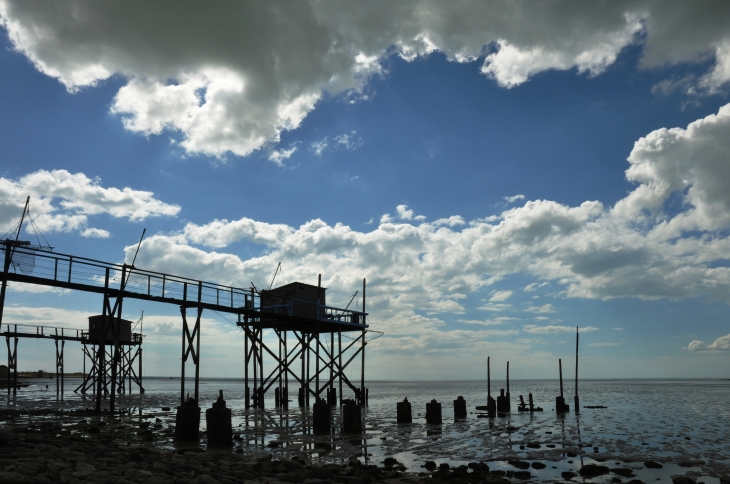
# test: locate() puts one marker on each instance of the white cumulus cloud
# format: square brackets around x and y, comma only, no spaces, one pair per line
[63,202]
[231,79]
[720,344]
[551,329]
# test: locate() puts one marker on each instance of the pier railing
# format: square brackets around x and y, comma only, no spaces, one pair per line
[54,269]
[51,332]
[63,270]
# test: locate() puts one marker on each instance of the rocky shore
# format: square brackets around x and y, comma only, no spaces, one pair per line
[47,446]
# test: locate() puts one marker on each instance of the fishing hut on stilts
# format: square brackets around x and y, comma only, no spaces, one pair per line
[307,349]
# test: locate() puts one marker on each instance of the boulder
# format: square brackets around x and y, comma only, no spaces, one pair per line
[593,470]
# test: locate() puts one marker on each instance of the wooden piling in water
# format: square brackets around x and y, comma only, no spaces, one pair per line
[433,412]
[460,407]
[560,406]
[560,369]
[403,411]
[576,400]
[491,404]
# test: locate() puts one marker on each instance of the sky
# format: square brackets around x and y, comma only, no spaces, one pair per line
[500,173]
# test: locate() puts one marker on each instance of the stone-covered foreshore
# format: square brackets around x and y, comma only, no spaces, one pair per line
[46,451]
[78,446]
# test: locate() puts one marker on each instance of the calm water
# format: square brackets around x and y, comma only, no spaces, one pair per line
[671,421]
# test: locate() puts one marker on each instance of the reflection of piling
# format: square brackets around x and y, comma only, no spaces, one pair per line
[351,419]
[433,412]
[321,417]
[403,411]
[460,407]
[576,400]
[187,421]
[218,421]
[560,406]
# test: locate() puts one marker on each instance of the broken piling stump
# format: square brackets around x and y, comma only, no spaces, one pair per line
[218,422]
[433,412]
[503,405]
[560,406]
[460,407]
[403,411]
[321,411]
[351,419]
[187,421]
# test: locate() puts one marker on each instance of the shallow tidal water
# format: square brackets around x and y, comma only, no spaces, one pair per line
[681,423]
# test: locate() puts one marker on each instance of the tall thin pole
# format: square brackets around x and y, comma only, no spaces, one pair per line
[254,354]
[332,361]
[3,289]
[22,217]
[560,367]
[141,339]
[261,366]
[508,378]
[576,400]
[489,380]
[362,366]
[304,361]
[281,367]
[308,338]
[339,366]
[183,311]
[316,338]
[286,375]
[197,343]
[245,366]
[576,361]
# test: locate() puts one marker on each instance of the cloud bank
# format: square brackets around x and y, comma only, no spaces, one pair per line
[420,270]
[720,344]
[231,79]
[63,202]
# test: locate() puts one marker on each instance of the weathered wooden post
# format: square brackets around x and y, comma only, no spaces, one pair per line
[491,404]
[560,406]
[403,411]
[218,422]
[576,400]
[503,403]
[433,412]
[321,417]
[187,421]
[351,419]
[460,407]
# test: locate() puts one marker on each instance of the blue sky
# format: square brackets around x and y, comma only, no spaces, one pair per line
[499,174]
